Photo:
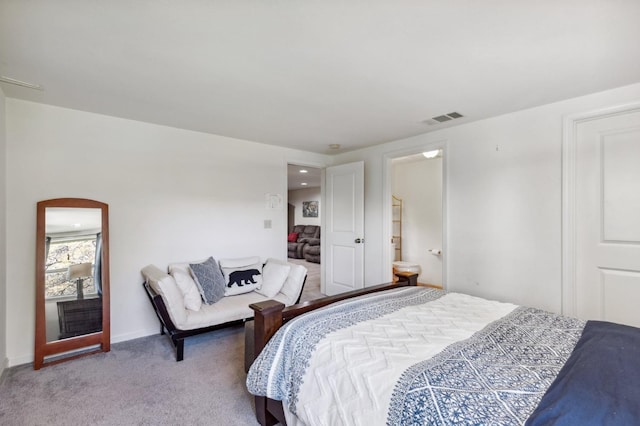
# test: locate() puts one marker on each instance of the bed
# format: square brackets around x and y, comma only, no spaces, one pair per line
[409,355]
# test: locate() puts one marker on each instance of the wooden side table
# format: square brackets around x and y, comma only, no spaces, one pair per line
[78,317]
[407,274]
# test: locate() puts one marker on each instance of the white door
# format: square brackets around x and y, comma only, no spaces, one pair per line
[344,223]
[607,218]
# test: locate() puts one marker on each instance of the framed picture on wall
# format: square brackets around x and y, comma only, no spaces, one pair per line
[310,208]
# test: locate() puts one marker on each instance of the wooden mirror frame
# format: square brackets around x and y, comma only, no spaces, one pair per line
[101,338]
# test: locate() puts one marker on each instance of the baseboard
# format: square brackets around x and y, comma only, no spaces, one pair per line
[21,360]
[3,367]
[430,285]
[135,335]
[28,359]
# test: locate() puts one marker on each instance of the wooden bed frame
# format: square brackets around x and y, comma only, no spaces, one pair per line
[271,315]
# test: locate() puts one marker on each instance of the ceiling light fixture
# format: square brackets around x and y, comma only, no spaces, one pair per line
[20,83]
[304,184]
[304,171]
[431,154]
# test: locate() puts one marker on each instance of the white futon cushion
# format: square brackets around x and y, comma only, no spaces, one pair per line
[165,285]
[229,308]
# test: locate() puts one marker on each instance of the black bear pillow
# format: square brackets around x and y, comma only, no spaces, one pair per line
[241,275]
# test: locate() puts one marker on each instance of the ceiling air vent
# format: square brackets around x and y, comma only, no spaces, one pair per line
[442,118]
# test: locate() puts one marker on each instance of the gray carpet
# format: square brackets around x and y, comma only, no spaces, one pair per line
[138,383]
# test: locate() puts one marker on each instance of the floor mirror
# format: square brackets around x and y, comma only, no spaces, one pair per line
[72,280]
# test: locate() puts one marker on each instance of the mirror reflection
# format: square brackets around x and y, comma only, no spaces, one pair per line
[73,271]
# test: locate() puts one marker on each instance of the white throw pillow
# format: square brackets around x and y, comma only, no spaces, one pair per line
[187,285]
[292,287]
[188,282]
[184,267]
[273,277]
[241,275]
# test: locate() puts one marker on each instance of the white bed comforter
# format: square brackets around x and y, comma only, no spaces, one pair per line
[343,365]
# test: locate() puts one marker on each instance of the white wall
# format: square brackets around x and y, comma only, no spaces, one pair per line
[173,195]
[419,185]
[503,205]
[176,194]
[4,303]
[297,196]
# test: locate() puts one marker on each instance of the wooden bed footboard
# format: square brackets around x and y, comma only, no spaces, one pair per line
[270,315]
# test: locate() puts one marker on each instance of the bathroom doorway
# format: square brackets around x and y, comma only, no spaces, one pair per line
[416,187]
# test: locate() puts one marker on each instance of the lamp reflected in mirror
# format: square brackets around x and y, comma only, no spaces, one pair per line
[78,273]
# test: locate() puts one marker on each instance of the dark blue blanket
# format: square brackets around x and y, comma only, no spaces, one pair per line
[599,384]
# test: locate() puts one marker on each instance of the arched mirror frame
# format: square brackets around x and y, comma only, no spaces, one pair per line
[100,339]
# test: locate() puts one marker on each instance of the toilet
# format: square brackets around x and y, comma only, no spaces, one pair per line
[401,266]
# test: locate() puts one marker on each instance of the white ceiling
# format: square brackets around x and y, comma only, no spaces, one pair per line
[309,73]
[59,220]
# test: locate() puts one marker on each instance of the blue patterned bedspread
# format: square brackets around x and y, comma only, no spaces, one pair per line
[496,376]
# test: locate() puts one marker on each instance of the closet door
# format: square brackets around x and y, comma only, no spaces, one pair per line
[607,218]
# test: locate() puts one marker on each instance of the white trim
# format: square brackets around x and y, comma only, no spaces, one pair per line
[21,360]
[3,366]
[386,206]
[569,142]
[445,215]
[124,337]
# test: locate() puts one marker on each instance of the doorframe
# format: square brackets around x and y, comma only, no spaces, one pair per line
[569,181]
[386,205]
[322,167]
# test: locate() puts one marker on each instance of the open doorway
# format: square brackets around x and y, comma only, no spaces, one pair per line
[416,215]
[304,218]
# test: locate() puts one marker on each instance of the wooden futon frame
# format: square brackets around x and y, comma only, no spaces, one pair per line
[271,315]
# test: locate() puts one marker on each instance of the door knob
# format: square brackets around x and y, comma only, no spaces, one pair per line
[359,240]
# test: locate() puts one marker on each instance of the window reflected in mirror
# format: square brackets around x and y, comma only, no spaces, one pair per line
[61,271]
